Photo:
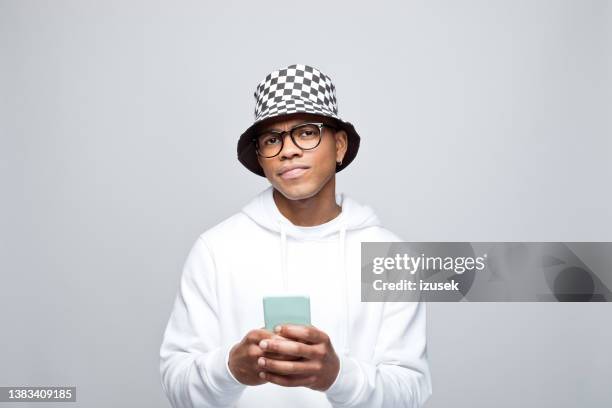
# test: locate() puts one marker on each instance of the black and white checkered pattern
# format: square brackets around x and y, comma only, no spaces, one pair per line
[296,88]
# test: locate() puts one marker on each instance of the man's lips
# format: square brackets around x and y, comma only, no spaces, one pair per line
[293,172]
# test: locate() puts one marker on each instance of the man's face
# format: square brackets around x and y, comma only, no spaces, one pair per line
[298,173]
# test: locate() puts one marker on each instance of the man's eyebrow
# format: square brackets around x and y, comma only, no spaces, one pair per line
[267,129]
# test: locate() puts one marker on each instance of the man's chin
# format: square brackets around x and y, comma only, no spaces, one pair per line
[297,190]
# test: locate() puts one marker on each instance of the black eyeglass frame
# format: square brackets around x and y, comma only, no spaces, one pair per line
[281,136]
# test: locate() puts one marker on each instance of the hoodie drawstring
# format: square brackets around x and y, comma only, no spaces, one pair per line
[283,244]
[342,239]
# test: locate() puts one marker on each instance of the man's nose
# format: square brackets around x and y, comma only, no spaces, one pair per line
[289,148]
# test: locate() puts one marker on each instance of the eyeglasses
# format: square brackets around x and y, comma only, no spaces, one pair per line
[306,136]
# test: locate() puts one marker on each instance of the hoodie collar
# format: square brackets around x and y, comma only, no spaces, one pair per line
[263,210]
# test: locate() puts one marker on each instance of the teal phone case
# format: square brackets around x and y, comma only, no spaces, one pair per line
[286,309]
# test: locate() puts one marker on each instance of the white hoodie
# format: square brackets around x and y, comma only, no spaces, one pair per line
[257,252]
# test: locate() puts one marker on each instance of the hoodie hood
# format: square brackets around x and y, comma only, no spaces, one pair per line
[262,210]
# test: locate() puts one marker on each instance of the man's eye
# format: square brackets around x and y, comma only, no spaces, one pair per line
[307,134]
[270,140]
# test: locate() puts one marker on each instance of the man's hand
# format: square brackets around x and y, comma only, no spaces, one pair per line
[243,356]
[318,363]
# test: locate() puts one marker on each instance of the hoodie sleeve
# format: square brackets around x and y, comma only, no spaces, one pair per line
[193,362]
[398,375]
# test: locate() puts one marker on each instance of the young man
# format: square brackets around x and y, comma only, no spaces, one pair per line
[297,235]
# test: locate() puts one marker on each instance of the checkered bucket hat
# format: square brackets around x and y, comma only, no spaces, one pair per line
[296,88]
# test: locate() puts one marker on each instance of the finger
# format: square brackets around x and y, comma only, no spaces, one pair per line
[308,334]
[278,337]
[255,336]
[288,381]
[254,351]
[278,356]
[274,335]
[289,367]
[289,347]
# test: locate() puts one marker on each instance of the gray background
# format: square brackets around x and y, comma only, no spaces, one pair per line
[481,121]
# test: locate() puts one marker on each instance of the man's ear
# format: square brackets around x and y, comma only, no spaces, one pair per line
[341,144]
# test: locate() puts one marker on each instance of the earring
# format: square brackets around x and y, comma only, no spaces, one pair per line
[339,163]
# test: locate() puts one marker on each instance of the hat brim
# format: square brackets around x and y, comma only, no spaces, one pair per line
[248,156]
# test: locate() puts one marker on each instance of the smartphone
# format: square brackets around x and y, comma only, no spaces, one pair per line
[294,309]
